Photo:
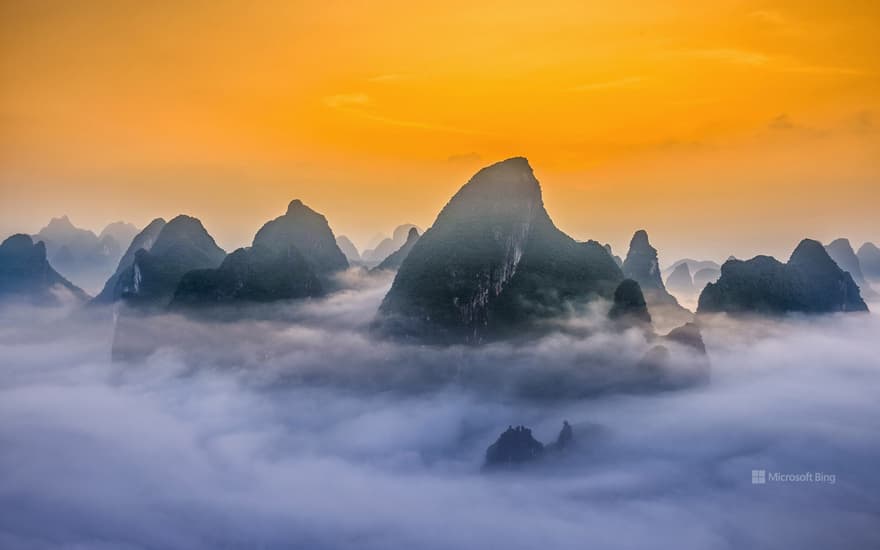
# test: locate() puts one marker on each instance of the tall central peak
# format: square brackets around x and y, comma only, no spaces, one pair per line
[512,178]
[492,259]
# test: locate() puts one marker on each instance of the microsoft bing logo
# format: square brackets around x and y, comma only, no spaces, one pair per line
[759,477]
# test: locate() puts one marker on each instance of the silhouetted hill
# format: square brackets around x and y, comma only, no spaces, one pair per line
[256,274]
[811,282]
[516,446]
[286,261]
[309,232]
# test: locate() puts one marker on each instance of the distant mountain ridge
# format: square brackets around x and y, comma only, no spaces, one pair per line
[81,255]
[811,282]
[396,258]
[844,256]
[869,259]
[388,245]
[26,274]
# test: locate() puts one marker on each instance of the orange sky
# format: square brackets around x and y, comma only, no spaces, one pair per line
[722,127]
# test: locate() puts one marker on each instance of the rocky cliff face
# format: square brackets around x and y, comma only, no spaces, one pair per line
[144,240]
[811,282]
[27,276]
[491,261]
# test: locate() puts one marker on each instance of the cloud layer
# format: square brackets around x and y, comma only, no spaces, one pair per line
[171,454]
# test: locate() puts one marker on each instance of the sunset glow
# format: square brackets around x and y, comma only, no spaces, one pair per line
[373,113]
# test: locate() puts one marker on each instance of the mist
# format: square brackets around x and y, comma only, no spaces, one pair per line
[301,430]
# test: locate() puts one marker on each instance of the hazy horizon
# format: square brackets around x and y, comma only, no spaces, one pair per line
[671,247]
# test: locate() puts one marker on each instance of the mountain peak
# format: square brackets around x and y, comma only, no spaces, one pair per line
[295,205]
[810,252]
[19,241]
[61,221]
[640,239]
[509,179]
[307,231]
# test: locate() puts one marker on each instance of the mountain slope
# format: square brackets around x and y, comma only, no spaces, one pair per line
[493,260]
[309,232]
[182,245]
[112,290]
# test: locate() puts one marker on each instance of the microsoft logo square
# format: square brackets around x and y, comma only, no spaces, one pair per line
[759,477]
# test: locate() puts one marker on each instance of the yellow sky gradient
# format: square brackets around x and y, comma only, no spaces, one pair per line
[722,127]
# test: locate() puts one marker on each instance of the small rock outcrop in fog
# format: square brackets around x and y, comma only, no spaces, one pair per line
[516,446]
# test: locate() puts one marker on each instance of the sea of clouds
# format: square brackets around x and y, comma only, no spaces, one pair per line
[240,439]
